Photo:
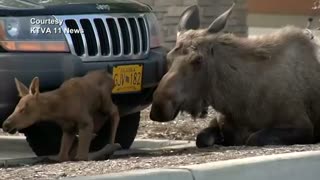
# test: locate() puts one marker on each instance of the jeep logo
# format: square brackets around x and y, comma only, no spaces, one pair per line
[103,7]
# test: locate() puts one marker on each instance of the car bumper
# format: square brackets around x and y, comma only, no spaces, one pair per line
[54,68]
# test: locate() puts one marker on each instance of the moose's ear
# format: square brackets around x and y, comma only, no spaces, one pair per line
[220,22]
[34,86]
[22,89]
[190,19]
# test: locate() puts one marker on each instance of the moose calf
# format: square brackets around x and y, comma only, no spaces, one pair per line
[73,106]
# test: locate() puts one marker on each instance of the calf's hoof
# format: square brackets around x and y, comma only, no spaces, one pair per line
[205,139]
[105,152]
[81,158]
[60,159]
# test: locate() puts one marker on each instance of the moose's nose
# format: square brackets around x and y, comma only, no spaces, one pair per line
[155,114]
[6,126]
[160,113]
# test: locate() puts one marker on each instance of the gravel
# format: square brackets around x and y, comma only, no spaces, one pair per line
[184,128]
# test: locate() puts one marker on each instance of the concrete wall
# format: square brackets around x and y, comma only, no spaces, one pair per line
[286,7]
[270,14]
[169,11]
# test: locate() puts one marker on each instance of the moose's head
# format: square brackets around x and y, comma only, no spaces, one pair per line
[27,111]
[184,86]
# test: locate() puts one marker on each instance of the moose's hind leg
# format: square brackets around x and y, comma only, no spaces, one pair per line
[281,136]
[294,128]
[110,109]
[115,118]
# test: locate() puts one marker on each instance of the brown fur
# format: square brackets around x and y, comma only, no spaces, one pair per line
[77,106]
[266,88]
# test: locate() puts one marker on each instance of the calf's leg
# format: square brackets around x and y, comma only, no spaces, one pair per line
[66,143]
[114,119]
[85,136]
[113,114]
[109,108]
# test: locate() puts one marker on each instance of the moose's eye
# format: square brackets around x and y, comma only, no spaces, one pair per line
[196,62]
[22,110]
[184,51]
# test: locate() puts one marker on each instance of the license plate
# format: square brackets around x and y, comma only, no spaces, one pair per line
[127,78]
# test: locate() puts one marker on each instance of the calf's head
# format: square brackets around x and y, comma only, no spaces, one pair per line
[27,111]
[184,86]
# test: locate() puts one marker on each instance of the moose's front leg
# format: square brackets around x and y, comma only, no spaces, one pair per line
[281,136]
[66,143]
[85,137]
[211,135]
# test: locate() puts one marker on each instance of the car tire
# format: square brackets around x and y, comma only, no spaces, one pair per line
[44,138]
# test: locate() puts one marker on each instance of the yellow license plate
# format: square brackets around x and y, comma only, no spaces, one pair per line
[127,78]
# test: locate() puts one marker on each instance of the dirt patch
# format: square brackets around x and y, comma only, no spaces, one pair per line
[184,128]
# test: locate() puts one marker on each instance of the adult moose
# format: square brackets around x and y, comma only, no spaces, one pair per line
[266,89]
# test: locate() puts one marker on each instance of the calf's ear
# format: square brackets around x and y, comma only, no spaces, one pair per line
[189,19]
[34,86]
[22,89]
[220,22]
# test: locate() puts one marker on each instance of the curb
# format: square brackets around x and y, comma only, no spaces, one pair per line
[144,174]
[293,166]
[13,137]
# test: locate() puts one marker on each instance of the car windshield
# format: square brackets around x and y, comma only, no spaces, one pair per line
[76,1]
[33,3]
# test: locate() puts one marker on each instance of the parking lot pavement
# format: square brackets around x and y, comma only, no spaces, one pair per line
[16,147]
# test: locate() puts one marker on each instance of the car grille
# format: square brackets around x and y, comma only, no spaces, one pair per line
[104,37]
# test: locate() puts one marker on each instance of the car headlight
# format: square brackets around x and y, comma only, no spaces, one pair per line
[41,33]
[155,31]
